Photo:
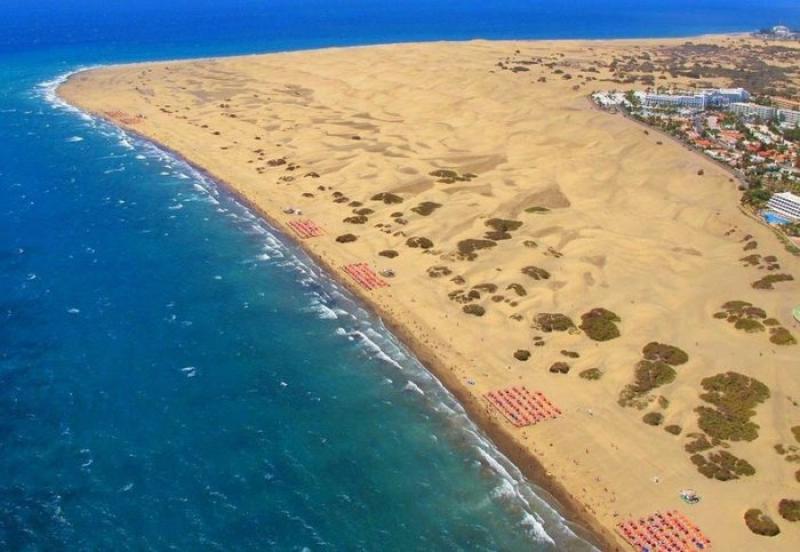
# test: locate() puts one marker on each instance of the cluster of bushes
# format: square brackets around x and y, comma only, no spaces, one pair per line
[536,209]
[734,397]
[653,418]
[559,368]
[426,208]
[660,352]
[760,523]
[518,289]
[751,319]
[356,219]
[591,374]
[420,242]
[600,324]
[461,296]
[722,466]
[553,322]
[468,247]
[522,354]
[439,271]
[501,228]
[475,310]
[767,281]
[789,509]
[389,253]
[447,176]
[655,370]
[536,273]
[387,197]
[346,238]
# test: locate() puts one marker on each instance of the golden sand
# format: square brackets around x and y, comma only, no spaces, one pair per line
[630,227]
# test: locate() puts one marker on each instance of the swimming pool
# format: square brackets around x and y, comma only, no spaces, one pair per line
[774,218]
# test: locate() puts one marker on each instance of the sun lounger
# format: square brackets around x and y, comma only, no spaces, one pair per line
[305,228]
[522,407]
[667,532]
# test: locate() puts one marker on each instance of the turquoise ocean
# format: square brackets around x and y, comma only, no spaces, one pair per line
[174,374]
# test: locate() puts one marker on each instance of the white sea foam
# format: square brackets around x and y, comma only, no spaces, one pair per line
[73,139]
[366,330]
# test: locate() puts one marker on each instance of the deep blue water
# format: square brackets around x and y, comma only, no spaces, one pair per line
[174,375]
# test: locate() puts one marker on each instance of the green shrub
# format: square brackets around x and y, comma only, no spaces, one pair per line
[468,247]
[522,354]
[346,238]
[673,429]
[699,444]
[760,523]
[781,336]
[767,281]
[749,326]
[591,374]
[356,219]
[553,322]
[789,509]
[426,208]
[599,324]
[653,418]
[735,397]
[439,271]
[518,289]
[537,209]
[389,253]
[388,198]
[420,242]
[559,368]
[475,310]
[666,353]
[722,466]
[536,273]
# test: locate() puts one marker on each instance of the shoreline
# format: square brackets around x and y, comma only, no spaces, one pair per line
[541,146]
[529,465]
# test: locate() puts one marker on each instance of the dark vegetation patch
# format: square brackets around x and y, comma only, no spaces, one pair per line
[699,443]
[346,238]
[665,353]
[461,296]
[518,289]
[722,466]
[364,211]
[536,273]
[439,271]
[768,281]
[599,324]
[356,219]
[570,354]
[559,368]
[447,176]
[751,319]
[760,523]
[501,228]
[537,210]
[419,242]
[389,253]
[673,429]
[467,248]
[530,244]
[475,310]
[653,418]
[426,208]
[553,322]
[591,374]
[734,397]
[781,336]
[789,509]
[522,355]
[487,287]
[387,197]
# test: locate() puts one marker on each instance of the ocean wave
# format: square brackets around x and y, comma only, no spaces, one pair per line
[73,139]
[331,300]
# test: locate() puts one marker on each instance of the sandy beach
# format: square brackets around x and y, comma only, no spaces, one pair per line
[480,183]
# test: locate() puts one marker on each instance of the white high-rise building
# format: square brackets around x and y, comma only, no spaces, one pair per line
[789,118]
[786,204]
[763,112]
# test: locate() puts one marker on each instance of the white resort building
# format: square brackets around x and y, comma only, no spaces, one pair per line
[789,117]
[786,204]
[707,97]
[764,112]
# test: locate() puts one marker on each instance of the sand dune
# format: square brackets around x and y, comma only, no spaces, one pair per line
[576,209]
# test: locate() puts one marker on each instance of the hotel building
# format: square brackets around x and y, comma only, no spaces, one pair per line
[786,204]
